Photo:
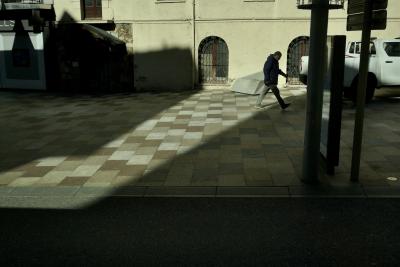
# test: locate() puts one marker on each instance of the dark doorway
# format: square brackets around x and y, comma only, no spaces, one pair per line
[92,9]
[297,48]
[213,60]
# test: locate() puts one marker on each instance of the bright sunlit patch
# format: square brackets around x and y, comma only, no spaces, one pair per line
[51,161]
[393,179]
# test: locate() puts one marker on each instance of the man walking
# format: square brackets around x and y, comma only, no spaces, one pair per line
[271,73]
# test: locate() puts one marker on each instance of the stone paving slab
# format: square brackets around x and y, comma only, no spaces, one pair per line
[382,191]
[5,190]
[129,191]
[355,190]
[94,191]
[259,191]
[43,191]
[47,202]
[177,191]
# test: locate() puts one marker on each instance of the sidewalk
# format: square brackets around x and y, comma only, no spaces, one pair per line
[209,139]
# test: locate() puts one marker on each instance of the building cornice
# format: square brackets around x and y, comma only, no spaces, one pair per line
[228,20]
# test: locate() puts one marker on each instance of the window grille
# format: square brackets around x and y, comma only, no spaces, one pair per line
[298,47]
[213,60]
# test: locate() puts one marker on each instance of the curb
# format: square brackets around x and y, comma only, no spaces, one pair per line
[353,191]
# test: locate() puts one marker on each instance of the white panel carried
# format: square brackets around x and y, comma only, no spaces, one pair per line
[251,84]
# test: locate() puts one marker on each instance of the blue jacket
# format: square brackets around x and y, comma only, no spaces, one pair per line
[272,71]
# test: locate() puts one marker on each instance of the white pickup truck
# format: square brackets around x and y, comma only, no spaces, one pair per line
[384,67]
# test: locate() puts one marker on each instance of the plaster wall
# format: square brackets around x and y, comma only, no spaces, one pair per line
[251,29]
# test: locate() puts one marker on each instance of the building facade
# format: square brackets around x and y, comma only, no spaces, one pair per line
[183,44]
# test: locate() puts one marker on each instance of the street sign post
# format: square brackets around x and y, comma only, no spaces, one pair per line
[370,15]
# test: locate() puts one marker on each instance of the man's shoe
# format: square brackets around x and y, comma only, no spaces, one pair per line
[285,105]
[258,106]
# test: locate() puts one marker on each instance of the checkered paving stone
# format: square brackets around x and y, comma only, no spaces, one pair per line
[205,138]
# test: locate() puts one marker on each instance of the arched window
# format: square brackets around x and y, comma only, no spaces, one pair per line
[298,47]
[213,60]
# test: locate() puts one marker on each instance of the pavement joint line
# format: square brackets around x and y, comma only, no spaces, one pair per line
[252,196]
[328,196]
[202,196]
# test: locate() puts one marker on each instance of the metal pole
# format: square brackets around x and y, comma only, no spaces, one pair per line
[312,137]
[362,84]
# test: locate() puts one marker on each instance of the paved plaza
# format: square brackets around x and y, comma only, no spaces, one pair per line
[211,138]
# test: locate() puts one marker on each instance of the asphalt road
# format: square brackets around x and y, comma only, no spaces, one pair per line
[205,232]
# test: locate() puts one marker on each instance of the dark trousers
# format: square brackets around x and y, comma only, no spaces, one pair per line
[276,92]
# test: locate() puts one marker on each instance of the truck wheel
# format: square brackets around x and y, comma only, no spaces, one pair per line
[369,94]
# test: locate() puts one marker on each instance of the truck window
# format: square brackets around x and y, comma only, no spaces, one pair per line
[351,50]
[358,48]
[372,49]
[392,49]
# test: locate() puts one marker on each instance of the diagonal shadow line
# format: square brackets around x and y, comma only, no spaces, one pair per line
[201,165]
[204,158]
[41,125]
[229,142]
[52,125]
[70,126]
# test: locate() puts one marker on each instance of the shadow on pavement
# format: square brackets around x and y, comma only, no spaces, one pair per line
[205,232]
[68,124]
